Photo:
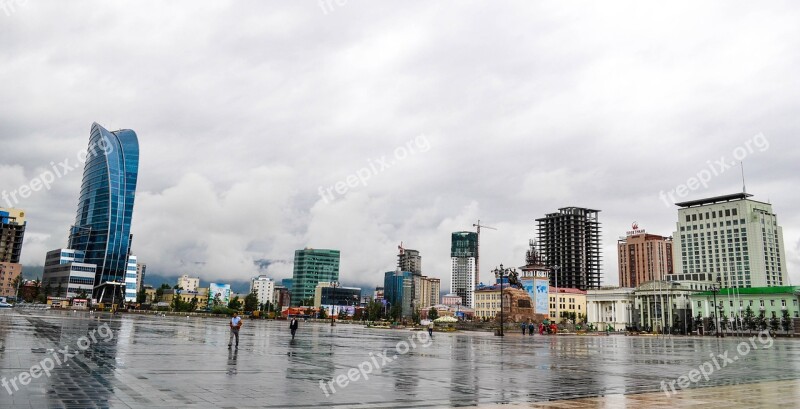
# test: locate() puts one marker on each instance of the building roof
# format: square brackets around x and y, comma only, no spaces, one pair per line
[787,289]
[715,199]
[562,290]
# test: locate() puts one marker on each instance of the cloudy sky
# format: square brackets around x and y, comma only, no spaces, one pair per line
[498,111]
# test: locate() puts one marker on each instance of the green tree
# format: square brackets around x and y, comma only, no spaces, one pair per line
[433,313]
[193,304]
[395,312]
[723,322]
[762,322]
[48,290]
[177,303]
[342,315]
[374,310]
[415,316]
[235,304]
[323,314]
[698,321]
[774,324]
[749,319]
[83,295]
[17,284]
[712,324]
[786,321]
[251,302]
[141,296]
[60,290]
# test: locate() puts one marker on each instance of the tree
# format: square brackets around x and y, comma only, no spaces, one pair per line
[251,302]
[698,321]
[82,294]
[712,325]
[395,312]
[141,296]
[48,290]
[723,322]
[177,303]
[749,320]
[235,304]
[160,291]
[433,313]
[193,304]
[60,290]
[374,310]
[762,321]
[342,314]
[415,316]
[774,324]
[323,314]
[16,284]
[786,321]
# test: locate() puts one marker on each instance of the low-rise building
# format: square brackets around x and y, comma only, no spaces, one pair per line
[734,302]
[327,295]
[567,304]
[487,302]
[8,276]
[663,306]
[188,283]
[612,307]
[187,297]
[66,275]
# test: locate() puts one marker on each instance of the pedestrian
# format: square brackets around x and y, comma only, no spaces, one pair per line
[430,329]
[530,328]
[293,326]
[523,328]
[541,329]
[235,324]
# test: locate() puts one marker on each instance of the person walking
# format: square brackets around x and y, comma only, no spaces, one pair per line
[530,328]
[235,324]
[523,326]
[430,329]
[293,326]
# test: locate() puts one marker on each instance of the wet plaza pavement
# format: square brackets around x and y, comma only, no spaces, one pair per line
[154,362]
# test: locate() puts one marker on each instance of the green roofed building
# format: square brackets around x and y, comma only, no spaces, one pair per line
[311,267]
[733,302]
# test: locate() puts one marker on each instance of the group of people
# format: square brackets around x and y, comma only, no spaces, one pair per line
[529,327]
[235,325]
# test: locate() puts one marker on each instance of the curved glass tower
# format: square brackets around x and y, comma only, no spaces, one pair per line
[103,224]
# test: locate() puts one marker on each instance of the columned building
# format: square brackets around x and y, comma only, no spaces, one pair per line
[612,307]
[732,237]
[663,306]
[570,242]
[463,252]
[643,257]
[102,229]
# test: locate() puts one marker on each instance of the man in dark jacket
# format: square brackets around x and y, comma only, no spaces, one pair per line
[293,326]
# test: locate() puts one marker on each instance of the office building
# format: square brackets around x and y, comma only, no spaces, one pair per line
[281,297]
[567,304]
[102,228]
[188,283]
[643,257]
[141,272]
[8,275]
[569,242]
[326,295]
[398,290]
[463,253]
[732,237]
[12,232]
[66,273]
[131,279]
[311,267]
[409,260]
[264,288]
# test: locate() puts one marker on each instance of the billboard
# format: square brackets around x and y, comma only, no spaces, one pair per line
[218,295]
[542,298]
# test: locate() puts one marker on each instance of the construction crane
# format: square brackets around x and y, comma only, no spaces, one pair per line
[477,250]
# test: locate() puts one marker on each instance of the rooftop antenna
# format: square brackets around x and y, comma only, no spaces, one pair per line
[744,188]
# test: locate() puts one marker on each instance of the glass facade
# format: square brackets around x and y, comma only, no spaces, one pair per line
[311,267]
[105,207]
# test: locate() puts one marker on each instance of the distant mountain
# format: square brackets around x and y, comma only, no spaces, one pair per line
[32,272]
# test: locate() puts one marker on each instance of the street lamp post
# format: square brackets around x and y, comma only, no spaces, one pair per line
[500,274]
[556,268]
[715,288]
[334,284]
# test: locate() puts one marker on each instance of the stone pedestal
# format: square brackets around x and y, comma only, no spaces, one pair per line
[518,307]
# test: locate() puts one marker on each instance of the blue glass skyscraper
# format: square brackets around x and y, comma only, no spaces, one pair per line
[103,223]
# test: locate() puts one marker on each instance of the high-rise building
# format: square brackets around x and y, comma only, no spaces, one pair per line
[264,287]
[463,250]
[66,274]
[8,275]
[311,267]
[102,228]
[130,280]
[569,241]
[141,272]
[643,257]
[187,283]
[409,260]
[398,289]
[12,231]
[735,238]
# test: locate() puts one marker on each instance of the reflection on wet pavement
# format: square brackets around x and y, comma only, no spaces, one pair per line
[169,362]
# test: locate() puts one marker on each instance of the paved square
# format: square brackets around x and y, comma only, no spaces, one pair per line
[154,362]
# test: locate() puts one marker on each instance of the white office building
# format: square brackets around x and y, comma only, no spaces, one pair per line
[66,274]
[131,273]
[188,283]
[264,287]
[731,237]
[612,307]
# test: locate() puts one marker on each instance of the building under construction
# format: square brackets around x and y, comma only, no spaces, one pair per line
[569,242]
